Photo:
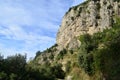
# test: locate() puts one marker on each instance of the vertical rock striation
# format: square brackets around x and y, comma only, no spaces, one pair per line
[89,17]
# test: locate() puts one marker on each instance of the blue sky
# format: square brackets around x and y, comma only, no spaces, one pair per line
[27,26]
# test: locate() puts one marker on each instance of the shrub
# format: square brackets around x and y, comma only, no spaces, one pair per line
[61,54]
[37,54]
[57,71]
[71,51]
[92,57]
[3,76]
[51,56]
[68,66]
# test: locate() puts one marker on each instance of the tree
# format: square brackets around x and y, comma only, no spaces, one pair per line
[37,54]
[16,63]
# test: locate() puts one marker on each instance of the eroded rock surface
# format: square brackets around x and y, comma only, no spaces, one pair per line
[89,17]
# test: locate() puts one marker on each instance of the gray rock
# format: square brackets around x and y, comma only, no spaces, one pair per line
[89,17]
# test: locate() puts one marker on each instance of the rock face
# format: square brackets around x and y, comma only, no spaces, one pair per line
[89,17]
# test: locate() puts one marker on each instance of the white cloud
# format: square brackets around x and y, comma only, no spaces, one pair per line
[28,26]
[32,42]
[14,15]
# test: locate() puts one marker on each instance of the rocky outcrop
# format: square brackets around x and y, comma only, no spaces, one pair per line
[89,17]
[80,60]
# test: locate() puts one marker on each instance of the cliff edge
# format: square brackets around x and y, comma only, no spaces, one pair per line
[88,17]
[87,44]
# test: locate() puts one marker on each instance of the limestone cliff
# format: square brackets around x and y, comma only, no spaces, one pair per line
[83,54]
[89,17]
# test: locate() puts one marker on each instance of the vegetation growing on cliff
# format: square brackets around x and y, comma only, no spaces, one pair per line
[100,52]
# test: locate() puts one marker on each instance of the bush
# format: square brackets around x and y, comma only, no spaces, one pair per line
[68,66]
[37,54]
[57,71]
[13,76]
[3,76]
[100,52]
[61,54]
[71,51]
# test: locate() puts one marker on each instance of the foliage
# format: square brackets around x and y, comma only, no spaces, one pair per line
[37,54]
[61,54]
[100,52]
[51,49]
[16,68]
[51,56]
[71,51]
[43,73]
[57,71]
[3,76]
[116,0]
[85,56]
[68,66]
[13,67]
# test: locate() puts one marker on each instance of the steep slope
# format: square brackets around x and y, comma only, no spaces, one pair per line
[88,44]
[89,17]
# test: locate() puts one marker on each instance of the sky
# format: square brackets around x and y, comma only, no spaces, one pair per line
[28,26]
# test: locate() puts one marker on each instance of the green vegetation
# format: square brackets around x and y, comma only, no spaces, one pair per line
[38,53]
[68,66]
[100,52]
[85,57]
[61,54]
[116,0]
[46,72]
[16,68]
[13,67]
